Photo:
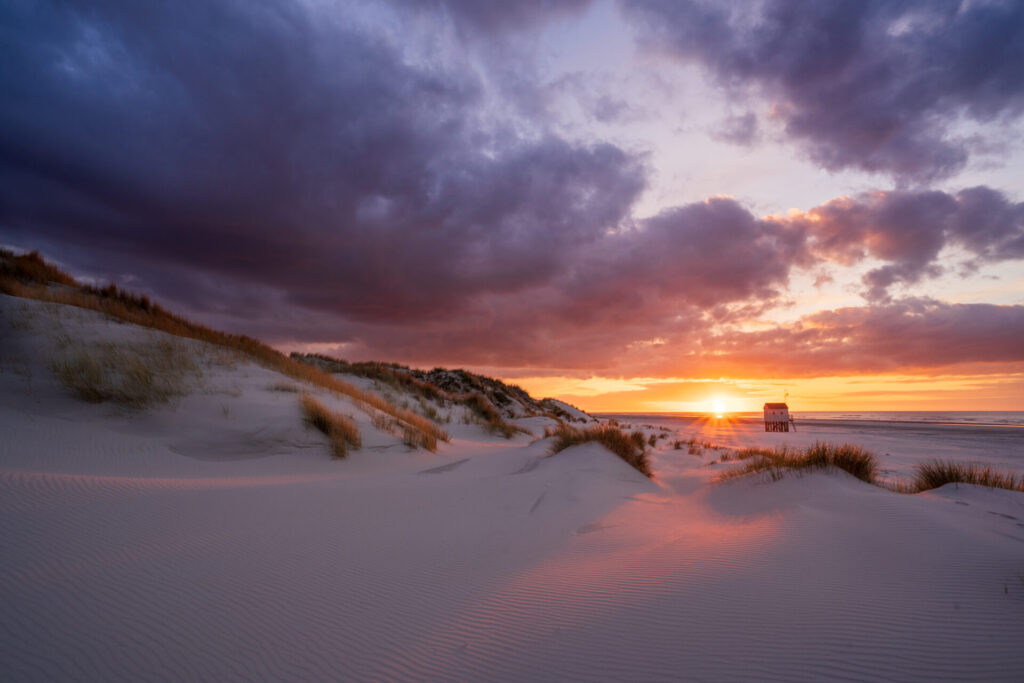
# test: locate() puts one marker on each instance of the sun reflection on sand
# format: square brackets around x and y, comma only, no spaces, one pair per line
[652,546]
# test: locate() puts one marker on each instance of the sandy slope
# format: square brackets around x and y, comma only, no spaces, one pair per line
[213,539]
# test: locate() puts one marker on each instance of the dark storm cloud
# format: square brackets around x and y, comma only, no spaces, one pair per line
[869,84]
[684,269]
[266,142]
[278,171]
[908,230]
[705,253]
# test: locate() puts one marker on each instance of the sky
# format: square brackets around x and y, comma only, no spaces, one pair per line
[632,205]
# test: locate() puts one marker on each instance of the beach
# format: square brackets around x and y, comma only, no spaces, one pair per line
[213,538]
[901,440]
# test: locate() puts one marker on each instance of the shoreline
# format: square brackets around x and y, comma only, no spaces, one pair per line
[800,418]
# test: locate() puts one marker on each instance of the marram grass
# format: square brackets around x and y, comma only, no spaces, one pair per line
[863,465]
[29,276]
[340,429]
[847,457]
[626,446]
[932,475]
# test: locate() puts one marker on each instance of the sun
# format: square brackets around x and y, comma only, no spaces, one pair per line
[718,407]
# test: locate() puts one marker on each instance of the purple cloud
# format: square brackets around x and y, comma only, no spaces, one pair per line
[495,17]
[909,229]
[901,336]
[866,84]
[265,143]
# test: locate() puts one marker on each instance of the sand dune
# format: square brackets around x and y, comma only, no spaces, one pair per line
[125,559]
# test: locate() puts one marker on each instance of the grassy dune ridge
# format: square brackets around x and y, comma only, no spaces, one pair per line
[864,465]
[775,462]
[484,397]
[931,475]
[629,447]
[29,276]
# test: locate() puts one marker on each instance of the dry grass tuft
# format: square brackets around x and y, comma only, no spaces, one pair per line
[28,268]
[136,375]
[28,276]
[776,462]
[340,429]
[864,466]
[624,445]
[938,473]
[397,377]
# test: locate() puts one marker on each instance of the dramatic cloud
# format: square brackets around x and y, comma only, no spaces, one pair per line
[493,17]
[268,143]
[868,84]
[341,176]
[910,229]
[905,336]
[914,334]
[703,254]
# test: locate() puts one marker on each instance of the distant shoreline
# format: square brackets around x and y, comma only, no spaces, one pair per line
[1007,419]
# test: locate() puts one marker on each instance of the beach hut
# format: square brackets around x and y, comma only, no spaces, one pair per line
[776,417]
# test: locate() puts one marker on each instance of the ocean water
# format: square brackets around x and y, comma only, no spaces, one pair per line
[900,438]
[1013,418]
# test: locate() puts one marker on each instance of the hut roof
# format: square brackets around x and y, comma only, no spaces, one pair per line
[776,405]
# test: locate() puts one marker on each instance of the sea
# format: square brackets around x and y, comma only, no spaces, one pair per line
[900,438]
[1012,418]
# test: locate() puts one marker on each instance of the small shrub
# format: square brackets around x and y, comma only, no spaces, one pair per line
[340,429]
[938,473]
[614,439]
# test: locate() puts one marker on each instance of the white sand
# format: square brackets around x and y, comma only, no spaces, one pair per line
[899,446]
[214,539]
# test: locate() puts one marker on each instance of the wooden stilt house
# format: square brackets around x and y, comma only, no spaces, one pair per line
[776,417]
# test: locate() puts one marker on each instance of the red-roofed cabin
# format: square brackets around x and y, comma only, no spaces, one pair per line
[776,417]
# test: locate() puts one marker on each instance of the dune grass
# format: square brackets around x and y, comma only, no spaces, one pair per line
[626,446]
[133,374]
[847,457]
[481,406]
[393,375]
[863,465]
[29,276]
[932,475]
[340,429]
[488,416]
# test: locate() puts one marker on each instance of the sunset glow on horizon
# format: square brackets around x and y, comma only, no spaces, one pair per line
[633,206]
